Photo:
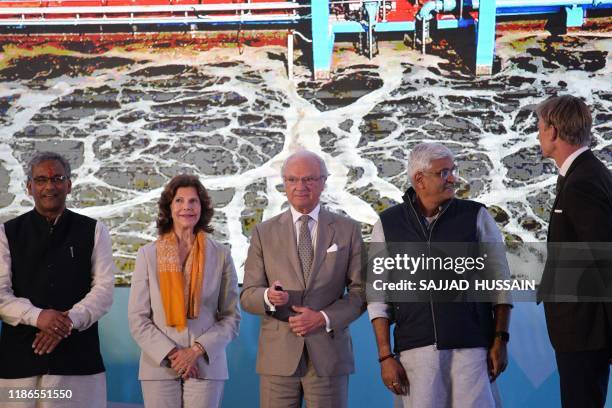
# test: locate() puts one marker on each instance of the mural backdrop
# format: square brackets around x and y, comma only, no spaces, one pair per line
[130,112]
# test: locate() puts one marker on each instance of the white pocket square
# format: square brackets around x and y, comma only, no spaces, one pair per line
[332,248]
[558,211]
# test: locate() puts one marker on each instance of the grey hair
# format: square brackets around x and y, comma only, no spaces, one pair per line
[305,153]
[47,156]
[423,154]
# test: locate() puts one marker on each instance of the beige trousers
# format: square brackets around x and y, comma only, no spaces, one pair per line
[318,392]
[192,393]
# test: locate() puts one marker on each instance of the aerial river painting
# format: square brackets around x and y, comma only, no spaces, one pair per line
[131,111]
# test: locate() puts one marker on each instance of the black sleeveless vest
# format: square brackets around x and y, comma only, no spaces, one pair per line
[50,266]
[448,325]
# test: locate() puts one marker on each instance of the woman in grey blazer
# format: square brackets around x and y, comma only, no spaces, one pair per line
[183,308]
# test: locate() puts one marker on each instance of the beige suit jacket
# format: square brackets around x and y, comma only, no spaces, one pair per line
[216,326]
[335,287]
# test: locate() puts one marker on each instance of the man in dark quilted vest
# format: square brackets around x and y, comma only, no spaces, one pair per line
[446,354]
[56,282]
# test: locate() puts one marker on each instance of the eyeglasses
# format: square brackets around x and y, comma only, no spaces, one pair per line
[310,180]
[444,173]
[42,180]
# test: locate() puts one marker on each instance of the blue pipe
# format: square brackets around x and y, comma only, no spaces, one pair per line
[485,38]
[427,10]
[348,27]
[539,3]
[322,39]
[527,10]
[475,4]
[372,10]
[517,11]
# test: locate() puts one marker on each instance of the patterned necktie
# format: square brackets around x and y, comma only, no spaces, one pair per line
[305,251]
[560,180]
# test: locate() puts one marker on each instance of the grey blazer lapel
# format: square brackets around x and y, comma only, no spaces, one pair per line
[210,267]
[325,237]
[288,233]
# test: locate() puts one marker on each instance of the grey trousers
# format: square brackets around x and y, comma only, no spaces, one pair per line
[86,391]
[318,392]
[192,393]
[447,378]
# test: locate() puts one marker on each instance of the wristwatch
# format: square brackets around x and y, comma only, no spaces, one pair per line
[503,336]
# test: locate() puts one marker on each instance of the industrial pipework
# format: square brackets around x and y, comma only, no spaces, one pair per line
[365,18]
[422,16]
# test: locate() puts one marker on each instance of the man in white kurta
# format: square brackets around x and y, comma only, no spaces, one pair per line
[56,282]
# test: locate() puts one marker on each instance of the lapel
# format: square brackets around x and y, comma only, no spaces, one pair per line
[288,233]
[587,154]
[560,189]
[210,263]
[325,237]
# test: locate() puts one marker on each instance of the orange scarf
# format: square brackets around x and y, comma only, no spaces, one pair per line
[174,282]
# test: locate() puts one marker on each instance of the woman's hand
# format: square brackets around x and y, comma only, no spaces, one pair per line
[184,362]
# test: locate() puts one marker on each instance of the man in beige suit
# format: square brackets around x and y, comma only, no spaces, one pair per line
[303,276]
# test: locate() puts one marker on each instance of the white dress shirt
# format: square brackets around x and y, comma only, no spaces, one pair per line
[313,222]
[570,159]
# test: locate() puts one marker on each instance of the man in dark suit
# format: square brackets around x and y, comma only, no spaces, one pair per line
[579,331]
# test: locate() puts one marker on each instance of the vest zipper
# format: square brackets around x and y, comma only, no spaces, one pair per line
[428,238]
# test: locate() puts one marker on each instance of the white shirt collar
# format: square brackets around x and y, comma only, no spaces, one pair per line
[314,214]
[570,159]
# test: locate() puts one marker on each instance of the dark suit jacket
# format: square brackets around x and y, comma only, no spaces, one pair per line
[578,263]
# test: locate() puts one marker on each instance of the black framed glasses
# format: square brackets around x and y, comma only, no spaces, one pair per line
[43,180]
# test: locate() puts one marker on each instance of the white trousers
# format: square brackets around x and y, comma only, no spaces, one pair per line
[87,391]
[455,378]
[192,393]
